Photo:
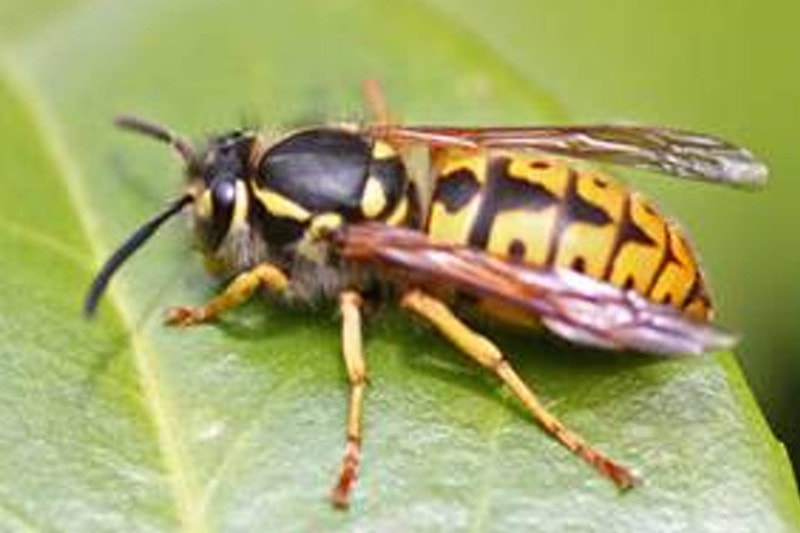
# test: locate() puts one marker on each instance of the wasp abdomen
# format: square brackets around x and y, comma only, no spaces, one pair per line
[545,212]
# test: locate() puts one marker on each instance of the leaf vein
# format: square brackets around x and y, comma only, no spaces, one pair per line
[181,477]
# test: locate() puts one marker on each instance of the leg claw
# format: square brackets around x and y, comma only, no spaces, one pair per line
[184,316]
[340,496]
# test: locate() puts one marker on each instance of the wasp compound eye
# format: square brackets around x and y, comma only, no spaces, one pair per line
[223,201]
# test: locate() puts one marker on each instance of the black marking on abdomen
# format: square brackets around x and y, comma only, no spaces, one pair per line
[629,283]
[666,259]
[516,250]
[697,292]
[574,208]
[455,190]
[415,218]
[505,192]
[578,209]
[579,264]
[628,232]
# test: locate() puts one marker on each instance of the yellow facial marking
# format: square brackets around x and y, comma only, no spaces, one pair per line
[202,206]
[281,206]
[240,207]
[373,200]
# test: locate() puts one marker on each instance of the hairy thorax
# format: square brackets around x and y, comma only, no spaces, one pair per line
[315,273]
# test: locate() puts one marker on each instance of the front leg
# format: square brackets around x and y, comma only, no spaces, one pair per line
[237,292]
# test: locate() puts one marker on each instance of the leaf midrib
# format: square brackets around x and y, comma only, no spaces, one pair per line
[183,480]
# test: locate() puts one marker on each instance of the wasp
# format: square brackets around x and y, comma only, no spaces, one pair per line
[502,219]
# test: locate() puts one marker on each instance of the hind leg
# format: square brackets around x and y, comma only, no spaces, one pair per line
[488,355]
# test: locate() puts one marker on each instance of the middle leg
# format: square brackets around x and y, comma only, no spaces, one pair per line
[350,307]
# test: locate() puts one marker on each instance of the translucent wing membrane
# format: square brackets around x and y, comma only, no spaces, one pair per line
[572,305]
[669,151]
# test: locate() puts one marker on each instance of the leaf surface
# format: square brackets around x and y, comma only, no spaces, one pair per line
[124,425]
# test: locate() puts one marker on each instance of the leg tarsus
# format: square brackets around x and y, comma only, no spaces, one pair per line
[348,474]
[184,316]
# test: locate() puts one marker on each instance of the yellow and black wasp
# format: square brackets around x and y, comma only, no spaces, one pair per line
[498,218]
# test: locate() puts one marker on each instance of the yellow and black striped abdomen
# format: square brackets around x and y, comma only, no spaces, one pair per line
[545,212]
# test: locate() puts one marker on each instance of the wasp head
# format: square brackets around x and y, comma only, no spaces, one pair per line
[219,186]
[216,189]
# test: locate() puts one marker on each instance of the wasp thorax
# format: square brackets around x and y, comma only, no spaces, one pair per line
[326,171]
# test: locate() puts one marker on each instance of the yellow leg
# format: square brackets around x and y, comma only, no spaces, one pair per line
[488,355]
[350,306]
[376,103]
[239,290]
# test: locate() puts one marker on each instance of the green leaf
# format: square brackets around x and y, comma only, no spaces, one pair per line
[124,425]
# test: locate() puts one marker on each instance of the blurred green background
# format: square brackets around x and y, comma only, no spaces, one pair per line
[728,67]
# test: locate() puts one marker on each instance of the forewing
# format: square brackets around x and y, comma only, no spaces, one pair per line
[665,150]
[572,305]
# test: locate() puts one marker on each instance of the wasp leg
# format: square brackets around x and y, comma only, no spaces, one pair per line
[350,306]
[487,354]
[375,102]
[239,290]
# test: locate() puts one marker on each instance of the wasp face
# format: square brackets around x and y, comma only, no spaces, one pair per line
[220,206]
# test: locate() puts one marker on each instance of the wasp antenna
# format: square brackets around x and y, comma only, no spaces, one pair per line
[161,133]
[133,243]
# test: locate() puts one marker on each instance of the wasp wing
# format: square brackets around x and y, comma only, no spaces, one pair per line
[665,150]
[572,305]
